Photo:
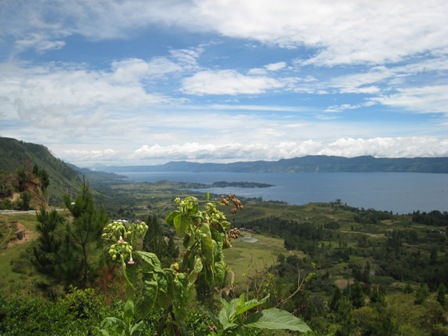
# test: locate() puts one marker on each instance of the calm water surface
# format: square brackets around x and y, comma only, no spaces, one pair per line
[397,192]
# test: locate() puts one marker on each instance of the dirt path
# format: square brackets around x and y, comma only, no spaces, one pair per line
[29,235]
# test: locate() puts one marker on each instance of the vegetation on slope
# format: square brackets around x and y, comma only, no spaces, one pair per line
[63,179]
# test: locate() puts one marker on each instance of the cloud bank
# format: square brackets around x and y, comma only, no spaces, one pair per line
[209,80]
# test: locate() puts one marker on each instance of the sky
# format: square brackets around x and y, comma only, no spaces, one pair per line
[143,82]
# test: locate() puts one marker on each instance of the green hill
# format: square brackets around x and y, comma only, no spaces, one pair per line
[16,154]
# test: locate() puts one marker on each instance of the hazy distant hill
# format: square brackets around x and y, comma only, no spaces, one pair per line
[319,163]
[63,178]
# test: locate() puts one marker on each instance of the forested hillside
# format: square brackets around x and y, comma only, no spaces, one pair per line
[63,179]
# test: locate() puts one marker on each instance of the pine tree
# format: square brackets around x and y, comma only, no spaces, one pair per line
[357,295]
[172,249]
[85,231]
[48,243]
[54,255]
[422,294]
[155,241]
[441,295]
[335,299]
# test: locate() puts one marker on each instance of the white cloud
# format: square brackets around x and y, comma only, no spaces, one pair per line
[227,82]
[388,147]
[187,58]
[92,155]
[340,108]
[275,66]
[341,32]
[390,76]
[420,99]
[130,70]
[39,42]
[348,147]
[55,97]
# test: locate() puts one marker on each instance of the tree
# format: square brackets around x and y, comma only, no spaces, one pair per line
[433,256]
[25,200]
[42,175]
[172,249]
[69,251]
[84,232]
[335,300]
[154,239]
[357,295]
[54,254]
[48,243]
[366,273]
[44,179]
[421,294]
[441,295]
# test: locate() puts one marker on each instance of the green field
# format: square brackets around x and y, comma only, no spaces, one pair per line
[13,283]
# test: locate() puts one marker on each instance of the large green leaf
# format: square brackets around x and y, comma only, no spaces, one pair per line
[114,323]
[181,223]
[276,319]
[151,259]
[138,328]
[166,288]
[242,306]
[128,311]
[207,243]
[170,218]
[227,314]
[182,293]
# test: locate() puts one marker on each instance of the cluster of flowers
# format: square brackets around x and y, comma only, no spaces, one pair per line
[237,205]
[117,232]
[233,233]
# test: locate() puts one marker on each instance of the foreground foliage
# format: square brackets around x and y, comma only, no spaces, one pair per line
[205,232]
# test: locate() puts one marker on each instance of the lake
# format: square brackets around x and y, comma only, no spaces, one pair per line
[397,192]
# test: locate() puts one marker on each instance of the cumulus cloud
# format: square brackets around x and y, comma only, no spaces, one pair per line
[228,82]
[55,96]
[348,147]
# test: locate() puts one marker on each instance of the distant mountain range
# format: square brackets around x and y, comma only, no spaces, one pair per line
[315,164]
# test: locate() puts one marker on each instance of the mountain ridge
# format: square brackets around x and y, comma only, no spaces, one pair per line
[304,164]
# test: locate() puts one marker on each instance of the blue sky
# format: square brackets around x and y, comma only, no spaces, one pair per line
[147,82]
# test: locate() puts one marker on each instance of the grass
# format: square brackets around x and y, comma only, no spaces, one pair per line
[12,283]
[247,259]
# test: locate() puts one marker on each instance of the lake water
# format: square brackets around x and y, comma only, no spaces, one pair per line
[396,192]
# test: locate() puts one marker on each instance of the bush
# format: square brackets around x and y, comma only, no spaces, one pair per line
[76,314]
